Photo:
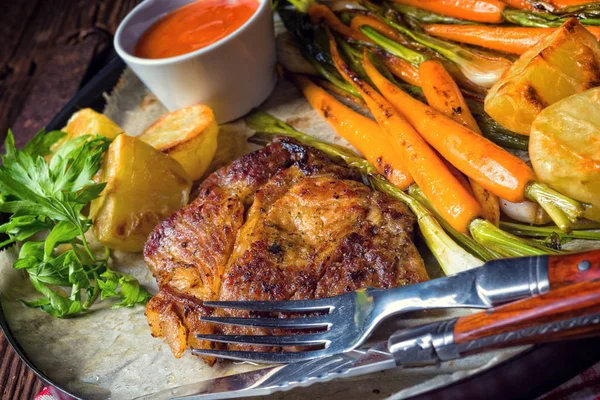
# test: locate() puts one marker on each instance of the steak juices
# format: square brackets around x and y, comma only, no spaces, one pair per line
[193,27]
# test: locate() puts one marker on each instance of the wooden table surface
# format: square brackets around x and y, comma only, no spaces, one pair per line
[47,49]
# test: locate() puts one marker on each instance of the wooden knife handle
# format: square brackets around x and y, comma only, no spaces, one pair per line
[573,268]
[555,315]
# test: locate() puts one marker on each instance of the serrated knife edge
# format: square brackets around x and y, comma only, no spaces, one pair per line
[286,377]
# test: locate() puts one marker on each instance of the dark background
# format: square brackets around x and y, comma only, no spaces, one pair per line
[48,48]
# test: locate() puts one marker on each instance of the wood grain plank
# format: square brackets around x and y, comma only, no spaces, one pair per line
[46,48]
[8,376]
[31,50]
[53,93]
[17,381]
[49,61]
[12,34]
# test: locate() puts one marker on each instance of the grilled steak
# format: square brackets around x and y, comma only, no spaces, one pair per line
[284,222]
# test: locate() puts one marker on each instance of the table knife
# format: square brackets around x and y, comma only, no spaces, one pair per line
[571,312]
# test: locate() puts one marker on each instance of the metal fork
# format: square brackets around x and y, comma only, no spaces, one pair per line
[350,318]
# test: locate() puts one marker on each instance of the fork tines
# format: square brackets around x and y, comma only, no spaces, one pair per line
[322,315]
[273,323]
[309,339]
[275,306]
[264,356]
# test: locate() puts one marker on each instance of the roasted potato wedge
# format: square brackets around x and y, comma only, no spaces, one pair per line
[88,122]
[188,135]
[592,213]
[564,146]
[562,64]
[143,186]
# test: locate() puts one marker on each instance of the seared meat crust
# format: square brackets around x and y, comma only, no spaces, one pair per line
[284,222]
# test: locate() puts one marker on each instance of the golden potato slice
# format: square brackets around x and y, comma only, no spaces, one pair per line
[189,135]
[564,63]
[88,122]
[592,212]
[143,186]
[565,146]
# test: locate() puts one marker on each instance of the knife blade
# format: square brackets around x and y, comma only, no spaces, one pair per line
[285,377]
[568,313]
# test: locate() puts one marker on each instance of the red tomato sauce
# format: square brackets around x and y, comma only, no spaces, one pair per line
[193,27]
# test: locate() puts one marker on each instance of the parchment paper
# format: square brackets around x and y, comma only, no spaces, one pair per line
[111,354]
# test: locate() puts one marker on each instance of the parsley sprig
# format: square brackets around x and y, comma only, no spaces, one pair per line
[47,198]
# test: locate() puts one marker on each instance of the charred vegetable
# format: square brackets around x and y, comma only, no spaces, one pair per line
[481,68]
[440,186]
[488,11]
[143,186]
[509,39]
[565,146]
[501,173]
[88,122]
[443,95]
[187,135]
[564,63]
[548,20]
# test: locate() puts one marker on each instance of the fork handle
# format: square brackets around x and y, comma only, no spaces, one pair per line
[572,268]
[509,279]
[566,313]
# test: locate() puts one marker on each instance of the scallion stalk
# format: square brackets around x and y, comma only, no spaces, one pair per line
[545,231]
[333,77]
[503,242]
[547,20]
[484,233]
[464,240]
[428,17]
[495,132]
[393,47]
[483,70]
[451,256]
[562,209]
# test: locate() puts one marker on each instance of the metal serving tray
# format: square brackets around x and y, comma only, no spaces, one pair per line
[525,376]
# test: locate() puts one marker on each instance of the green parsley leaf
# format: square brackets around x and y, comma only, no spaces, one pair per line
[40,144]
[23,227]
[47,197]
[42,301]
[62,232]
[131,293]
[109,284]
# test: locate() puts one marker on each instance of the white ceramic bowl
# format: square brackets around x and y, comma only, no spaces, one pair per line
[231,76]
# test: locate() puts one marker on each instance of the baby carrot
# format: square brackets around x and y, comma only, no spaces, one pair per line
[320,12]
[567,3]
[509,39]
[362,132]
[443,95]
[446,193]
[494,168]
[489,11]
[520,4]
[400,68]
[525,5]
